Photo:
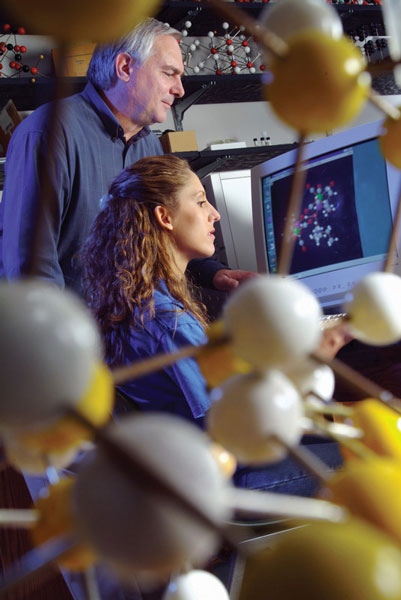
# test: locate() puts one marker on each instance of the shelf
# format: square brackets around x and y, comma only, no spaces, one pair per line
[204,18]
[28,96]
[217,89]
[220,89]
[209,161]
[205,89]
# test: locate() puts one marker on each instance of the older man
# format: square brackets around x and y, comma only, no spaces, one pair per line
[132,84]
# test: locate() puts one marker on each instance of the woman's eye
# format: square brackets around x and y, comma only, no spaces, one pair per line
[202,202]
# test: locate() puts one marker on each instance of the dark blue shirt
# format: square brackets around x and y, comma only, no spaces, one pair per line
[179,388]
[89,150]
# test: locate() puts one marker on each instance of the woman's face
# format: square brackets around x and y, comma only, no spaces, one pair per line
[193,222]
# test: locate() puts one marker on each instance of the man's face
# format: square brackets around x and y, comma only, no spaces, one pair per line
[156,83]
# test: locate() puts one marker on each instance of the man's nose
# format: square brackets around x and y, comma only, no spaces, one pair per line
[178,89]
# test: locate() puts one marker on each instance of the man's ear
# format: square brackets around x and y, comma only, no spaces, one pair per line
[163,217]
[124,62]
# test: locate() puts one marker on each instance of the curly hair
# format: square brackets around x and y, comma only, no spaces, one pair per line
[128,253]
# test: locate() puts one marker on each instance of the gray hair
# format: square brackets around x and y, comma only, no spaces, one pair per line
[139,43]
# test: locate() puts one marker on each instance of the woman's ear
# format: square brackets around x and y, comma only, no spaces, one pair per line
[163,217]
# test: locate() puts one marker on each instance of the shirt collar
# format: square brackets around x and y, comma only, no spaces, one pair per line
[111,124]
[162,291]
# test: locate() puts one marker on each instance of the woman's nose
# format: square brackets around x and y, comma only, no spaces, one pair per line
[214,214]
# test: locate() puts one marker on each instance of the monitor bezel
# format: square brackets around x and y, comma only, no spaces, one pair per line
[314,150]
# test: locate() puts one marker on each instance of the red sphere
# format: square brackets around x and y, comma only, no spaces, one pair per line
[34,70]
[245,43]
[6,27]
[17,66]
[229,42]
[22,49]
[12,64]
[233,63]
[219,72]
[262,67]
[249,64]
[213,50]
[21,31]
[17,48]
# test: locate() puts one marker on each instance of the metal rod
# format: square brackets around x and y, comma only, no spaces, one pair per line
[294,208]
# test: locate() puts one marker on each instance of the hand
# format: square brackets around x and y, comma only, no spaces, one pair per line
[333,339]
[227,280]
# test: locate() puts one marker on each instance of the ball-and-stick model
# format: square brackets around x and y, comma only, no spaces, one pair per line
[123,448]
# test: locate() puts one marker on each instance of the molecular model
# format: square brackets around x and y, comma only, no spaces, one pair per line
[154,502]
[230,53]
[13,54]
[309,225]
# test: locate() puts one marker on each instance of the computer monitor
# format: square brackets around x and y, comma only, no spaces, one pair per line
[230,193]
[349,203]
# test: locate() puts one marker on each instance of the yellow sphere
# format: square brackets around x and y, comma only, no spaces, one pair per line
[381,427]
[56,519]
[325,561]
[225,459]
[75,21]
[217,360]
[370,490]
[390,141]
[319,84]
[96,405]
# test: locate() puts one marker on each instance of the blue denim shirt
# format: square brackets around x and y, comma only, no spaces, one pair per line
[179,388]
[88,151]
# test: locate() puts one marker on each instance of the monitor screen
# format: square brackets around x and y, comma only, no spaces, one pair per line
[345,223]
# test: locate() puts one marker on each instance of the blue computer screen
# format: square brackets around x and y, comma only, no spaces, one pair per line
[345,218]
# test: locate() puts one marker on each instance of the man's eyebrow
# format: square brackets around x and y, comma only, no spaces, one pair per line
[174,69]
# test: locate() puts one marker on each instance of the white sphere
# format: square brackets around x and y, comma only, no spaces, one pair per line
[272,321]
[196,585]
[133,528]
[310,378]
[49,344]
[225,25]
[188,24]
[374,311]
[249,409]
[289,17]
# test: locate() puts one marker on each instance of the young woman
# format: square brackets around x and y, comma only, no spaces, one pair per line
[156,219]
